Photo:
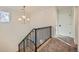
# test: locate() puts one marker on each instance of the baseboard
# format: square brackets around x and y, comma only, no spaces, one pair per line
[64,41]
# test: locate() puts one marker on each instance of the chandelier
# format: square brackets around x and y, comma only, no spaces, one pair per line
[23,17]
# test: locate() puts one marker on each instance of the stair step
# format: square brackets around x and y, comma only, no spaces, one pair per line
[55,45]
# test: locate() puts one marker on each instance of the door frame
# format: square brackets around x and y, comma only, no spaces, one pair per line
[74,13]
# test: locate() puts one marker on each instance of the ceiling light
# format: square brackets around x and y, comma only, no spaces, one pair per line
[28,19]
[24,17]
[20,19]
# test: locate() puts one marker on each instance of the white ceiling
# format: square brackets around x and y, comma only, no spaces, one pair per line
[66,8]
[31,10]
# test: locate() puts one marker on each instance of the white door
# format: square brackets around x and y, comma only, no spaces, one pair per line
[65,22]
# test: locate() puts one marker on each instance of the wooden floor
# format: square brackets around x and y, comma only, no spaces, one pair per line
[67,39]
[55,45]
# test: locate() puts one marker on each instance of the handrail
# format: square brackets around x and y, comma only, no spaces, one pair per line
[26,36]
[43,27]
[43,43]
[35,41]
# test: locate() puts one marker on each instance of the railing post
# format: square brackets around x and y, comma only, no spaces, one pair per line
[19,48]
[35,40]
[50,32]
[24,45]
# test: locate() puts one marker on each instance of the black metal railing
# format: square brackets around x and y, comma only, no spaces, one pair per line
[35,39]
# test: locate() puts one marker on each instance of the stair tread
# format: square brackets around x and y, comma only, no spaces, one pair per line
[55,45]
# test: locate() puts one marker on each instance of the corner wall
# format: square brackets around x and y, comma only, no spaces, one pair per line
[46,17]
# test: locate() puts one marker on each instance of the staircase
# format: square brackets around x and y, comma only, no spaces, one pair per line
[55,45]
[40,40]
[35,39]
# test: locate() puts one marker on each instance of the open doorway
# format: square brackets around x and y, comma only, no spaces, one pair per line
[65,29]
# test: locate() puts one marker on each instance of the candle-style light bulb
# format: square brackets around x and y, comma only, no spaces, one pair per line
[28,19]
[20,19]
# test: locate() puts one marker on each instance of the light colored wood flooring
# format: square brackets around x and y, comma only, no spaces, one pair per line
[55,45]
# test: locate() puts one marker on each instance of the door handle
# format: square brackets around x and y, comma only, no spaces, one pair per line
[59,25]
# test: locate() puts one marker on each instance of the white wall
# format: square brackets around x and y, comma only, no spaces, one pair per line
[78,25]
[12,33]
[46,17]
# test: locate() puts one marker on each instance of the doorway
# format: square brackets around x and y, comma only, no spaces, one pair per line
[65,28]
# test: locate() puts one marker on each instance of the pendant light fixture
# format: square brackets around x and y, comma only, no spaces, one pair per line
[24,16]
